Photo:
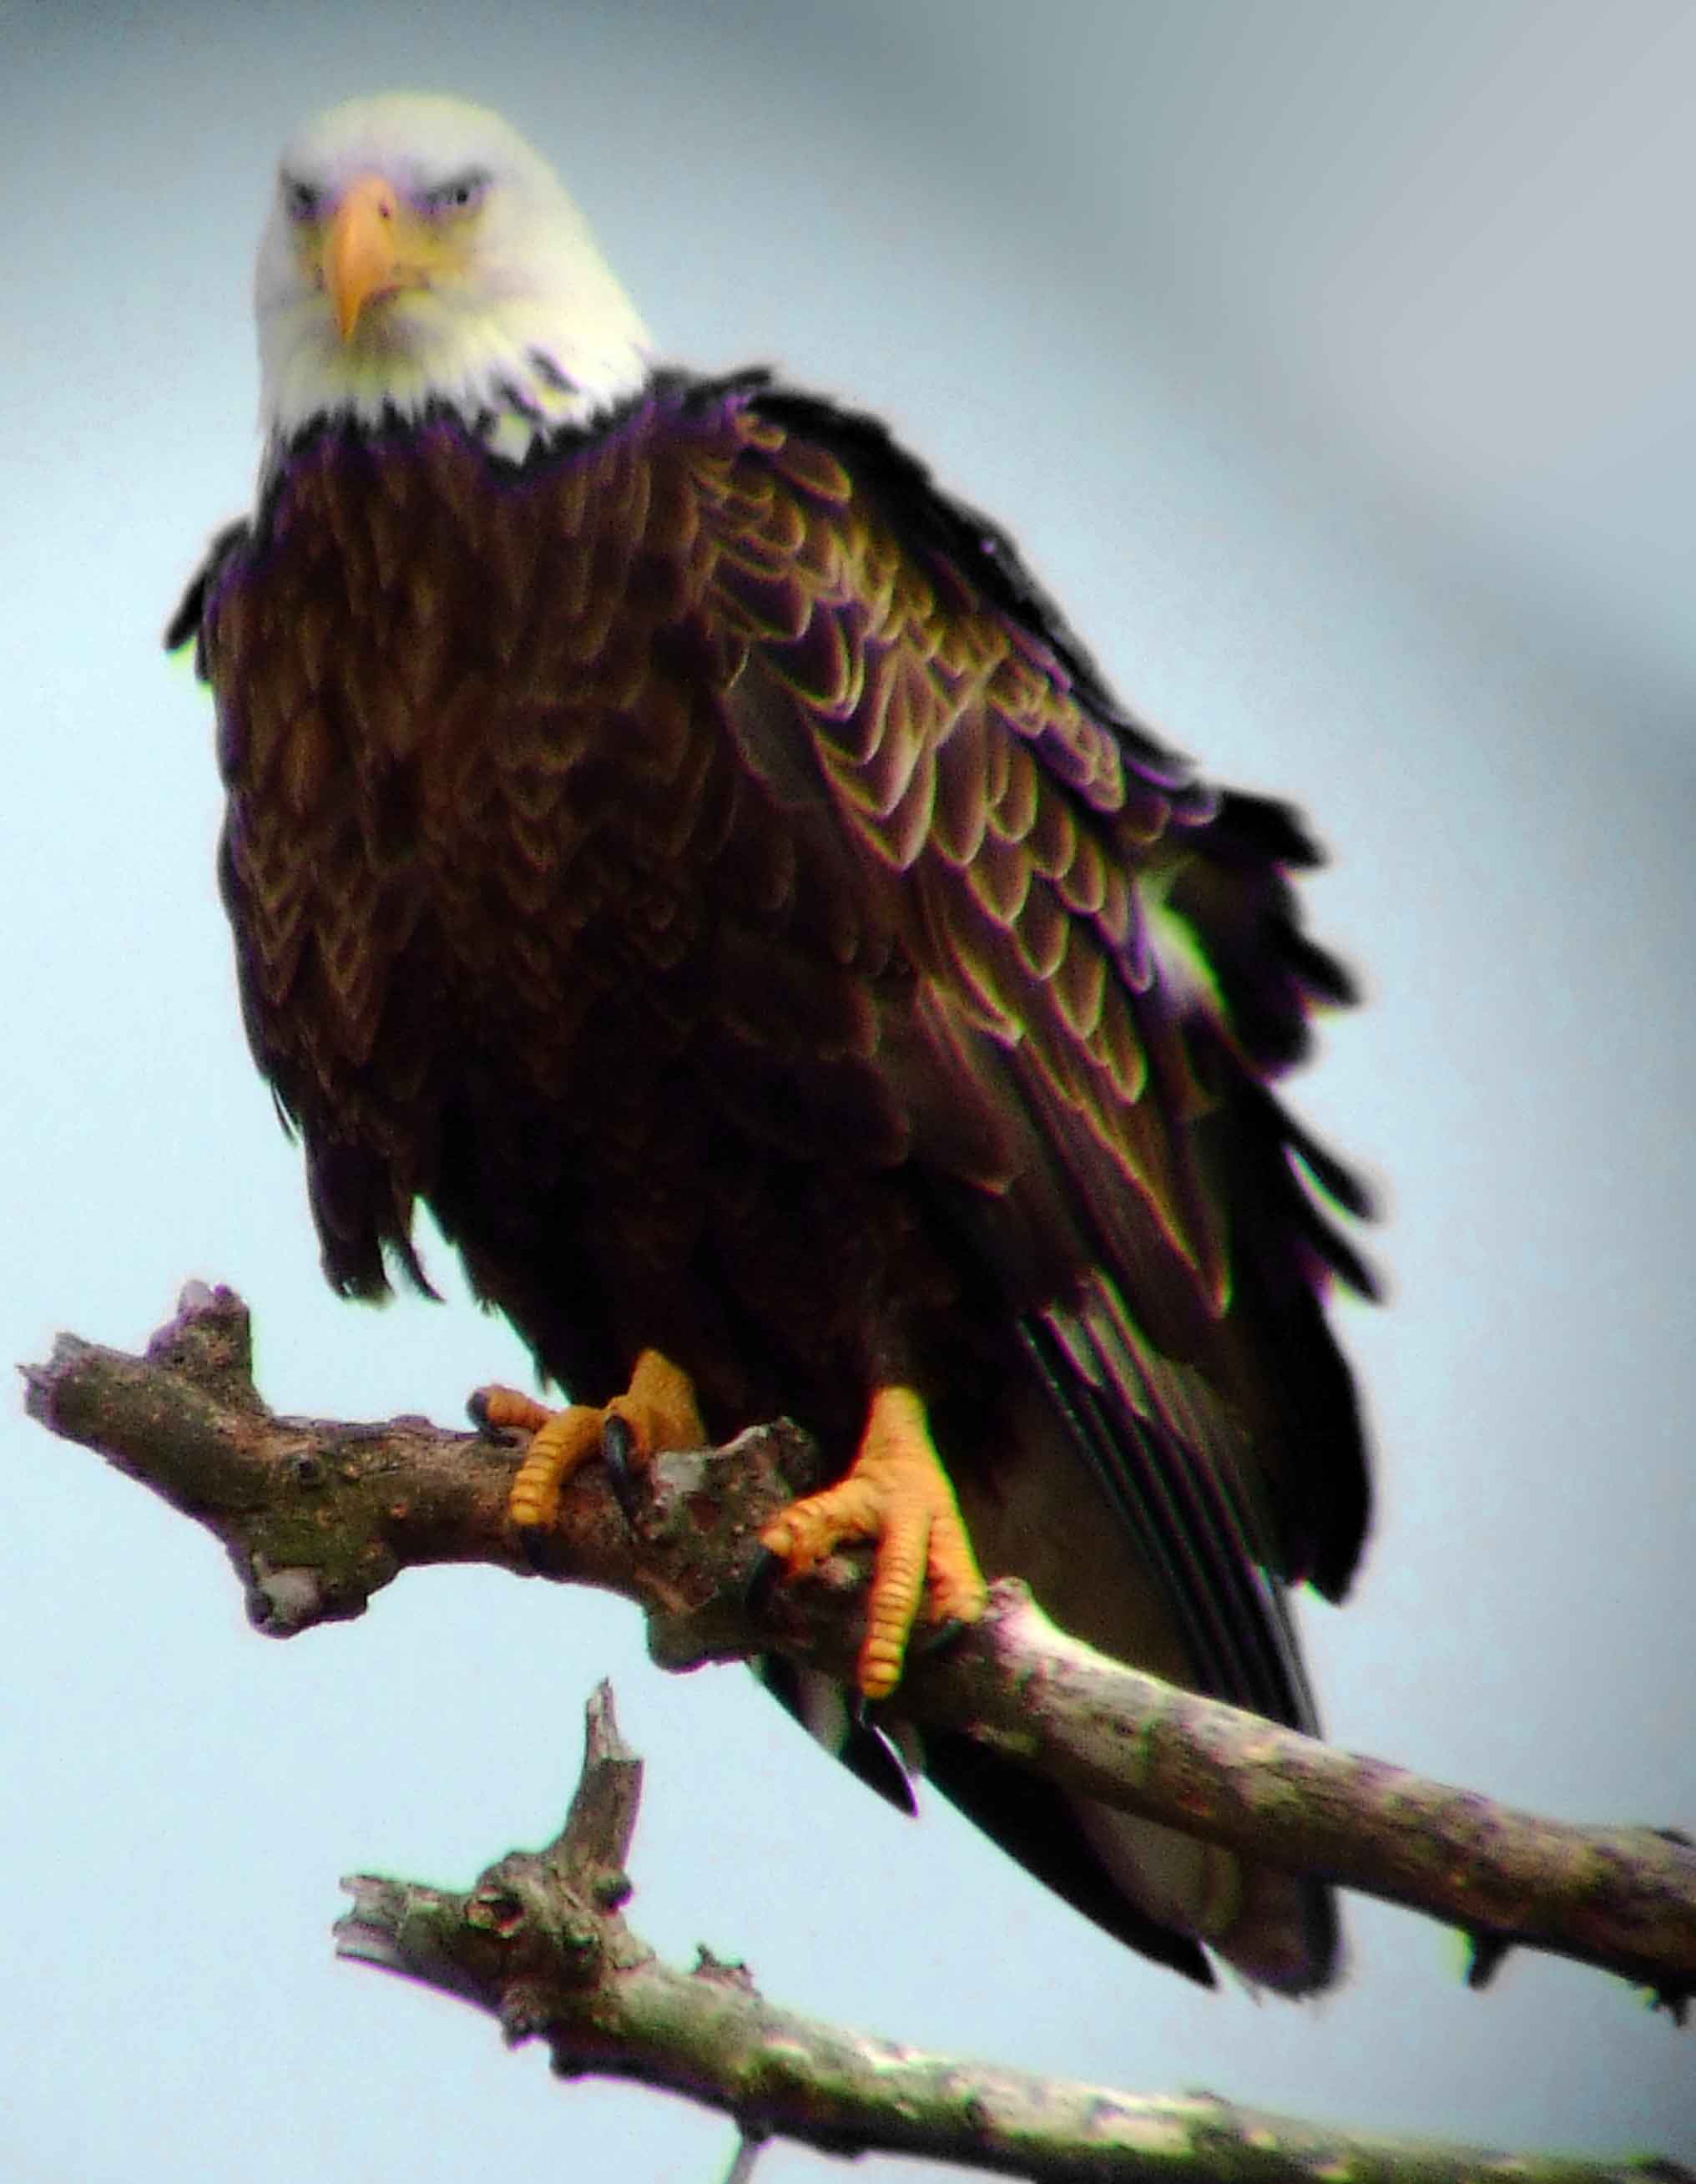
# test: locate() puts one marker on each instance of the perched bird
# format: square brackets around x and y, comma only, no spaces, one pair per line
[679,844]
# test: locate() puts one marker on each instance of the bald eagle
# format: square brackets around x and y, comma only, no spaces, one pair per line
[682,847]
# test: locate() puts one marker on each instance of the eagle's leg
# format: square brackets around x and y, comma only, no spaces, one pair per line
[659,1409]
[897,1493]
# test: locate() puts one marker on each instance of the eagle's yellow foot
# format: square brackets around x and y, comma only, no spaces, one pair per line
[898,1494]
[657,1411]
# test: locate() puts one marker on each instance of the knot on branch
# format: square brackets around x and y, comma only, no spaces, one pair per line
[540,1929]
[210,1342]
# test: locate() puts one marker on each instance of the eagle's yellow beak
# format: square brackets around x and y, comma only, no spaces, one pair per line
[362,256]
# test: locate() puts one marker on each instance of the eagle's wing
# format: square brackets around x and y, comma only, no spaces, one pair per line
[1108,952]
[1110,965]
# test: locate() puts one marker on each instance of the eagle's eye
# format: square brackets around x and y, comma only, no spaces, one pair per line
[463,194]
[301,201]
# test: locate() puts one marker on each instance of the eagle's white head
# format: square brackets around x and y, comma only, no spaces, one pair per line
[419,252]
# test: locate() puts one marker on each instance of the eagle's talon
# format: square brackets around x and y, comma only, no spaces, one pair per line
[932,1638]
[761,1583]
[537,1544]
[618,1454]
[489,1428]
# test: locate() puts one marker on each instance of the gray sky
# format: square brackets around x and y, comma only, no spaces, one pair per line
[1335,366]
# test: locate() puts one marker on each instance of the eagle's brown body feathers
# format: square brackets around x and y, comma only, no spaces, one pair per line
[701,866]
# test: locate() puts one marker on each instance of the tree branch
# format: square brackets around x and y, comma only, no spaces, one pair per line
[541,1943]
[318,1516]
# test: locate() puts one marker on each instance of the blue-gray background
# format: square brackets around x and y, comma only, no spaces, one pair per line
[1335,366]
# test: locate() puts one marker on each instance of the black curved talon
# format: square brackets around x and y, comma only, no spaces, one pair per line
[875,1756]
[1488,1952]
[618,1446]
[929,1638]
[537,1545]
[477,1410]
[760,1583]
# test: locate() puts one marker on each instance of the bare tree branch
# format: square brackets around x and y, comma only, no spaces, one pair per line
[317,1516]
[542,1944]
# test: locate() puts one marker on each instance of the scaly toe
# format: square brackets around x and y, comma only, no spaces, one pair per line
[804,1533]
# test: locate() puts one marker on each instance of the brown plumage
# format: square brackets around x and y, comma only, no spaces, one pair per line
[698,863]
